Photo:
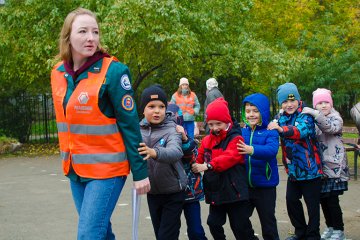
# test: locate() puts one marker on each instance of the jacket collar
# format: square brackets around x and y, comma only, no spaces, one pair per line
[92,65]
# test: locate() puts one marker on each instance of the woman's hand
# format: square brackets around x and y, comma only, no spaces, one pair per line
[146,151]
[142,186]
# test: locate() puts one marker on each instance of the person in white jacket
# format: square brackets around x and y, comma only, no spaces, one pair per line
[335,167]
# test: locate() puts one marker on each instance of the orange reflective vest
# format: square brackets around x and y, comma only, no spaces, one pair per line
[186,103]
[89,140]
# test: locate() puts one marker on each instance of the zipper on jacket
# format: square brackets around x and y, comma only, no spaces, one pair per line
[176,175]
[249,157]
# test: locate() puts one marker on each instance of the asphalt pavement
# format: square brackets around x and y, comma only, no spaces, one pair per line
[36,204]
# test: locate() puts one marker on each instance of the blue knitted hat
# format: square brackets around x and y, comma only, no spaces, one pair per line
[287,91]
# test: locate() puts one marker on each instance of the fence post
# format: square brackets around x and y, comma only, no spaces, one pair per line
[46,118]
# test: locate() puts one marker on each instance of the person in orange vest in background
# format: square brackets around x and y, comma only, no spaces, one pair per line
[188,103]
[93,101]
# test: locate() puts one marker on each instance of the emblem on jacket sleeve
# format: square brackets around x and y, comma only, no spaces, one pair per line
[127,102]
[125,82]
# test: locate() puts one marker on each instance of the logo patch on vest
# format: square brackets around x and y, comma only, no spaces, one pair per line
[83,97]
[127,102]
[162,141]
[125,82]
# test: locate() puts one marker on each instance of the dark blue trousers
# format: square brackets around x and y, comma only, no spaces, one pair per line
[165,211]
[264,200]
[310,191]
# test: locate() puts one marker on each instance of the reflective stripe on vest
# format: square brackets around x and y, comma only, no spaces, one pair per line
[94,130]
[64,155]
[87,137]
[98,158]
[62,127]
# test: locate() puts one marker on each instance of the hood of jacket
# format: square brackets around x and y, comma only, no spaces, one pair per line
[263,105]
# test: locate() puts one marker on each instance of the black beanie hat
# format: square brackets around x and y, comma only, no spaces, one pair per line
[152,93]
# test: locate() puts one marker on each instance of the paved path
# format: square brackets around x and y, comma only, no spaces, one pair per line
[36,204]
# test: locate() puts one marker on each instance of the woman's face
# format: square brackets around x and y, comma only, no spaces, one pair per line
[84,37]
[184,86]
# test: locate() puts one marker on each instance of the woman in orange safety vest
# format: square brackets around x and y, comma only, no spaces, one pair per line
[188,103]
[93,101]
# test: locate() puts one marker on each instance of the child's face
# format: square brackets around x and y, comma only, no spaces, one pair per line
[290,106]
[154,112]
[324,107]
[252,114]
[217,126]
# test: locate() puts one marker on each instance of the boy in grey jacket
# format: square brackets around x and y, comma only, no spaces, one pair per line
[162,149]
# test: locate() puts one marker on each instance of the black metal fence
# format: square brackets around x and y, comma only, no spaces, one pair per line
[28,118]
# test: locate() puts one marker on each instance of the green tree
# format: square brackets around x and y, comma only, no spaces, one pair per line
[248,45]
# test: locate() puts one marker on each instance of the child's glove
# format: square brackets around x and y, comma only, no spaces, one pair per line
[312,112]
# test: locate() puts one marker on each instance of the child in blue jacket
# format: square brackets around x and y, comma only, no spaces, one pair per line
[260,146]
[302,163]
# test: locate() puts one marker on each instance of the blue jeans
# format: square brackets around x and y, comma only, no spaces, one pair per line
[189,128]
[95,201]
[192,214]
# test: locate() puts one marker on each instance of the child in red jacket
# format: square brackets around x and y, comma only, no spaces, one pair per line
[224,179]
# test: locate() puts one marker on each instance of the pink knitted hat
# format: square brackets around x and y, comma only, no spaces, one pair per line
[322,95]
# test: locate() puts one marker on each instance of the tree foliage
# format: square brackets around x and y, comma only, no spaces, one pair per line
[249,45]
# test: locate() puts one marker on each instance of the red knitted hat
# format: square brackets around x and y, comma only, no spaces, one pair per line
[218,110]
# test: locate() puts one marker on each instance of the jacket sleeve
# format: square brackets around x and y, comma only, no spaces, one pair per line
[173,100]
[188,146]
[172,152]
[228,158]
[268,150]
[130,130]
[304,127]
[331,125]
[197,105]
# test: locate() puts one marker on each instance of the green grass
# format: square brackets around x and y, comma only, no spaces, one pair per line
[38,128]
[350,135]
[4,140]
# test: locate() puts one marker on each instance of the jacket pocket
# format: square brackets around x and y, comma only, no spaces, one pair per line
[268,171]
[212,181]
